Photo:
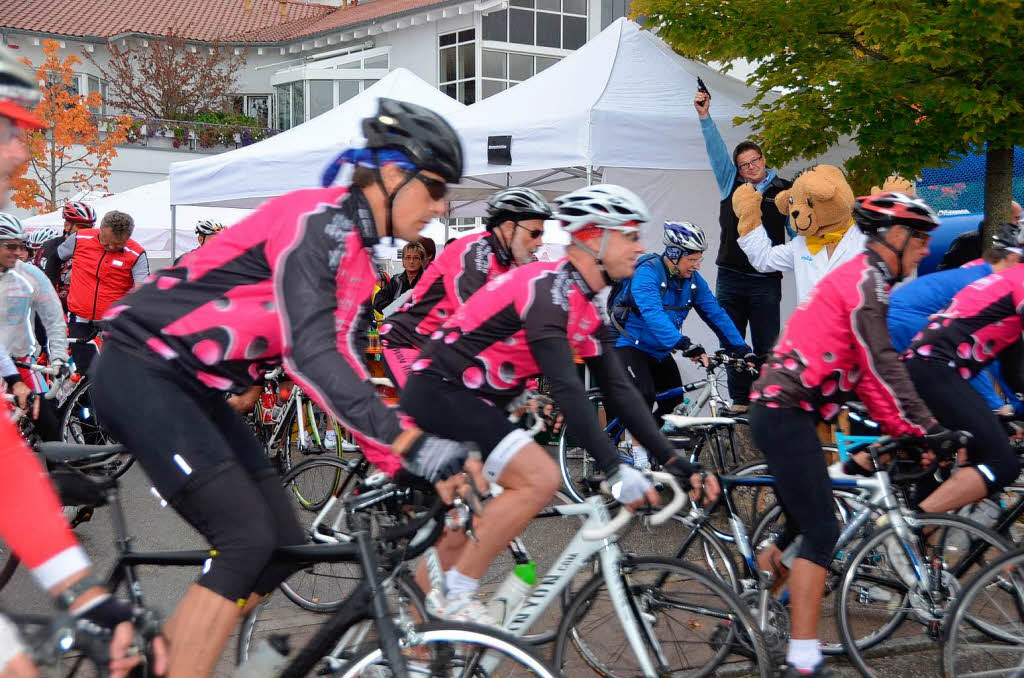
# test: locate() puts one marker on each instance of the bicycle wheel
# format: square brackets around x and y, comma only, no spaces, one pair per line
[320,587]
[80,426]
[880,589]
[293,451]
[693,621]
[581,476]
[449,649]
[702,548]
[265,620]
[985,632]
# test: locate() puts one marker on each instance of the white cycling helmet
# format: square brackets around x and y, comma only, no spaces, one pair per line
[684,235]
[10,227]
[208,227]
[39,236]
[606,207]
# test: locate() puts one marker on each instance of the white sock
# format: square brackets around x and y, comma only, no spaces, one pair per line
[456,583]
[639,456]
[804,654]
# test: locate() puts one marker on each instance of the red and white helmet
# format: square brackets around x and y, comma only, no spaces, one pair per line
[880,211]
[19,92]
[79,213]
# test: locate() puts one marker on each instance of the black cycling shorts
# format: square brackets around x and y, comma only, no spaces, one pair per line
[203,460]
[789,439]
[451,411]
[958,406]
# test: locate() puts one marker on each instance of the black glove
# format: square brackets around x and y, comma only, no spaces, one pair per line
[694,351]
[683,344]
[944,442]
[435,459]
[107,613]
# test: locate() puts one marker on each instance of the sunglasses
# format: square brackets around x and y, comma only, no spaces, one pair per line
[436,188]
[534,233]
[920,235]
[13,246]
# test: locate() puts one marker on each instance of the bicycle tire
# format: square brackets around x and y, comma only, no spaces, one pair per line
[1004,575]
[431,633]
[319,587]
[78,425]
[733,617]
[290,456]
[703,545]
[874,550]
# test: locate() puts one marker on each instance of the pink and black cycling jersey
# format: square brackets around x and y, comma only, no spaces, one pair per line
[463,267]
[982,319]
[289,284]
[836,345]
[486,345]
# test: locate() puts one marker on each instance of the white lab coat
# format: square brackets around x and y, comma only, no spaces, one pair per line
[794,256]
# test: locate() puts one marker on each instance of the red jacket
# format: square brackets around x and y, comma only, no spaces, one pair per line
[98,277]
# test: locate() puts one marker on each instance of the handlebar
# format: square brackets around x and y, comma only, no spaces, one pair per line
[45,369]
[721,358]
[679,498]
[944,445]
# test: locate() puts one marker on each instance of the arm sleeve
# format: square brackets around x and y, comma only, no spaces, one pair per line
[647,295]
[66,250]
[140,269]
[762,255]
[52,265]
[716,318]
[885,386]
[625,400]
[329,367]
[718,155]
[47,306]
[7,368]
[554,358]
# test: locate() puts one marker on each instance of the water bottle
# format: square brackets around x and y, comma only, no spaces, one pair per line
[267,659]
[986,512]
[513,590]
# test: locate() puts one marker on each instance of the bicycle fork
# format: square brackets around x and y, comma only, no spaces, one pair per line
[629,613]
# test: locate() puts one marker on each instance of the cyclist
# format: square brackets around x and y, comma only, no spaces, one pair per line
[515,223]
[289,283]
[981,321]
[31,522]
[205,230]
[912,304]
[110,264]
[518,326]
[77,215]
[835,344]
[25,295]
[651,310]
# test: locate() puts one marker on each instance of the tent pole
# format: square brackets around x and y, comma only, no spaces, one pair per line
[174,233]
[590,175]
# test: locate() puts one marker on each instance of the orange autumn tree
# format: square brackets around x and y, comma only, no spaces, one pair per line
[73,151]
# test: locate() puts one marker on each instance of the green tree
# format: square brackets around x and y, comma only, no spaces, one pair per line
[912,82]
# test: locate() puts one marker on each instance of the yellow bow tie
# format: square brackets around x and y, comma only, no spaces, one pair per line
[816,242]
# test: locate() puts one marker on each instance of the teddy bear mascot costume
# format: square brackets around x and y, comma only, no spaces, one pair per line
[820,208]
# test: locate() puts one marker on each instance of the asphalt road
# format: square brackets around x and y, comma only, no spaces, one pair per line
[156,528]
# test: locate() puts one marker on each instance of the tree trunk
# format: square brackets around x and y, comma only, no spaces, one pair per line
[998,188]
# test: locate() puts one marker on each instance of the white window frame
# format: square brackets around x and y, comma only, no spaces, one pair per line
[475,80]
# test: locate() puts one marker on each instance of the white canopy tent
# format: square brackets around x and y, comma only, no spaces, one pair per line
[149,206]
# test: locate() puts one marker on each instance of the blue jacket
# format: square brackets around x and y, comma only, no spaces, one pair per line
[910,306]
[657,328]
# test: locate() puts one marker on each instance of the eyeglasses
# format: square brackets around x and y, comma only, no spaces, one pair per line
[436,188]
[748,165]
[13,246]
[534,233]
[693,260]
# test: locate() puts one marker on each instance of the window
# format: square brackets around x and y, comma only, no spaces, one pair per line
[561,24]
[323,85]
[457,65]
[502,70]
[321,97]
[255,106]
[612,10]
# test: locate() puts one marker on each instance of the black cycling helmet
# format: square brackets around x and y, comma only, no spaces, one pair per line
[1008,235]
[513,204]
[423,135]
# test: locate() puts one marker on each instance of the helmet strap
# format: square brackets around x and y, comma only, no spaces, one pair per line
[598,255]
[503,249]
[389,197]
[879,238]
